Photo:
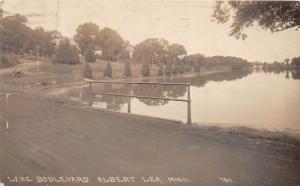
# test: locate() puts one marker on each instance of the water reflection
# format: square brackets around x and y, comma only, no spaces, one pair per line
[200,81]
[113,102]
[170,91]
[264,99]
[295,74]
[289,73]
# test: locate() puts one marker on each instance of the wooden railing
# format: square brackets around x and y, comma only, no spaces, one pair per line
[188,100]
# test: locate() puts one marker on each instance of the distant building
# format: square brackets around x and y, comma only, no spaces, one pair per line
[60,39]
[73,42]
[99,51]
[130,49]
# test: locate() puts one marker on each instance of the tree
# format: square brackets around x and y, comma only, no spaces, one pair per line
[234,62]
[108,70]
[175,68]
[168,69]
[295,62]
[87,73]
[286,61]
[124,54]
[14,33]
[43,39]
[188,67]
[145,71]
[160,70]
[187,63]
[66,53]
[1,10]
[17,37]
[271,15]
[197,67]
[90,55]
[197,60]
[127,69]
[111,43]
[86,36]
[181,67]
[175,50]
[151,50]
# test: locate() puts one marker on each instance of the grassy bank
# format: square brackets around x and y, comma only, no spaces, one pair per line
[45,74]
[7,61]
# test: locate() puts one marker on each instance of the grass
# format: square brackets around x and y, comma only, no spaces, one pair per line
[97,68]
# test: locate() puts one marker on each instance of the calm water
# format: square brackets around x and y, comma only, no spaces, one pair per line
[259,100]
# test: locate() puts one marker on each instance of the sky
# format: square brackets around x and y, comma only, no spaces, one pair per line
[183,22]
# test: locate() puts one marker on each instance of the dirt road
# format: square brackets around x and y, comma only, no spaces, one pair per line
[57,144]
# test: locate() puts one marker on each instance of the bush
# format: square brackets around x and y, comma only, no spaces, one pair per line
[66,53]
[145,71]
[160,70]
[168,69]
[108,70]
[181,68]
[127,69]
[7,61]
[90,55]
[87,73]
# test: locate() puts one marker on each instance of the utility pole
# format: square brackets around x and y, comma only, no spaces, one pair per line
[38,57]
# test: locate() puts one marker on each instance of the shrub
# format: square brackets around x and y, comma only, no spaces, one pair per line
[181,68]
[90,55]
[127,69]
[87,73]
[66,53]
[108,70]
[7,61]
[168,69]
[145,71]
[160,70]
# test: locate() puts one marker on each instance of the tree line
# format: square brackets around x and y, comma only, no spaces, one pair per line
[18,38]
[105,43]
[287,64]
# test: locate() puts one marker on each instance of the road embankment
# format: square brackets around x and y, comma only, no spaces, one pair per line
[49,139]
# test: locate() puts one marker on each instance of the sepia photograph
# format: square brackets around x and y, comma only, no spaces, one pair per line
[149,93]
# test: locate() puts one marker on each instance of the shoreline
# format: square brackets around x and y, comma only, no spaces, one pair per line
[54,92]
[74,85]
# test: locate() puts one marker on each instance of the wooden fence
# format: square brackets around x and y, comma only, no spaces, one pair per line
[188,100]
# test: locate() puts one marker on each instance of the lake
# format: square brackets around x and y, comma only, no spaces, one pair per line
[263,100]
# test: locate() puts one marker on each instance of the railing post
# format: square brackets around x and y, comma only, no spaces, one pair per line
[129,99]
[90,94]
[189,117]
[129,104]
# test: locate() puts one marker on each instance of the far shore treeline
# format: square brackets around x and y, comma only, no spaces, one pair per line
[106,44]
